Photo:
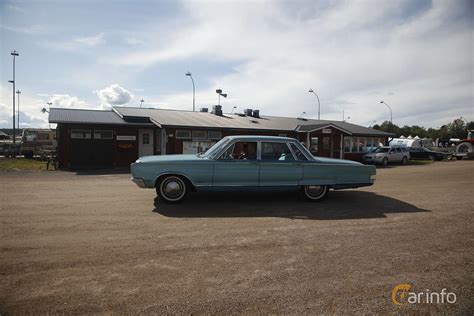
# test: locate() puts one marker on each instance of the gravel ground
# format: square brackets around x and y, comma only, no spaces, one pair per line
[95,243]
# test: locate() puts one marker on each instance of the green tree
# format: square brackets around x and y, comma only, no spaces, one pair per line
[457,129]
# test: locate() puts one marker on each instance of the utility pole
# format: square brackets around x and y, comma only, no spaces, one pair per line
[14,54]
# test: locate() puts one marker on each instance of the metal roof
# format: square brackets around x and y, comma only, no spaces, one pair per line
[190,119]
[85,116]
[179,118]
[3,134]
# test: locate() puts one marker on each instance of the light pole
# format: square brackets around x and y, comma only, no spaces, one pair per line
[319,103]
[14,54]
[141,102]
[194,90]
[389,109]
[219,93]
[233,109]
[18,92]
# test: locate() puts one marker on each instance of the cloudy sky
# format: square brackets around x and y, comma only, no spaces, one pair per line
[416,55]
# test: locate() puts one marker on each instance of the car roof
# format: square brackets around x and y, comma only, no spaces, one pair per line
[259,137]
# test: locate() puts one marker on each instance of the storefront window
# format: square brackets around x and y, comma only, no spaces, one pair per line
[361,144]
[347,144]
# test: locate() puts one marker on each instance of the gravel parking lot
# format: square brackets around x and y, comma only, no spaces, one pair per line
[93,243]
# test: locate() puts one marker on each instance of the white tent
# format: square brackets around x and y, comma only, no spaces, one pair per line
[407,142]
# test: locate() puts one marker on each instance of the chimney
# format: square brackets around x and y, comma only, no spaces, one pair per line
[256,113]
[204,110]
[217,110]
[248,112]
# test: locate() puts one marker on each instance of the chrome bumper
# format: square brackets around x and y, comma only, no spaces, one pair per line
[139,182]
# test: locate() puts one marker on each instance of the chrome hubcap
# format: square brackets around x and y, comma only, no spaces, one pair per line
[314,190]
[173,188]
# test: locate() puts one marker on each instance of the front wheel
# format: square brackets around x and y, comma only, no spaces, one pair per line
[404,160]
[171,189]
[315,192]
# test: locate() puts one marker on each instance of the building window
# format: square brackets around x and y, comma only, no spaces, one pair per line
[361,144]
[103,134]
[314,146]
[81,134]
[347,144]
[146,138]
[197,135]
[183,134]
[214,134]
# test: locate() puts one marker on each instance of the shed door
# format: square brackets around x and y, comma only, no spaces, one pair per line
[91,150]
[145,142]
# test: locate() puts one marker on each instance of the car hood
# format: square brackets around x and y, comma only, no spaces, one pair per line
[337,161]
[169,158]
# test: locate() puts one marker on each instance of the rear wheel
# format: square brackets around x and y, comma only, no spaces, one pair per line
[404,160]
[172,189]
[315,192]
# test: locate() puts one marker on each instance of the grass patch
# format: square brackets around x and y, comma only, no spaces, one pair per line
[21,164]
[419,162]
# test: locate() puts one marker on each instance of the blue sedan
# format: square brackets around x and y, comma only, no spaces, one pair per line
[249,163]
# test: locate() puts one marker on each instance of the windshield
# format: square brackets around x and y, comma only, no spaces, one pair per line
[381,150]
[214,150]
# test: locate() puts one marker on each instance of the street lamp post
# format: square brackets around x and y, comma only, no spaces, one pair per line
[18,92]
[141,102]
[14,54]
[194,90]
[389,109]
[319,103]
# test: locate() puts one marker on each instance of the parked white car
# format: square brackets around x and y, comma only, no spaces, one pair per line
[385,155]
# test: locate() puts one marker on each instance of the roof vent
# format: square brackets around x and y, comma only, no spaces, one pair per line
[256,113]
[204,110]
[217,110]
[248,112]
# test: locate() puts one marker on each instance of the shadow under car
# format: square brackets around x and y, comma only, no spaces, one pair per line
[346,204]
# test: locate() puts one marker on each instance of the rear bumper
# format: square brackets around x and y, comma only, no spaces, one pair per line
[139,182]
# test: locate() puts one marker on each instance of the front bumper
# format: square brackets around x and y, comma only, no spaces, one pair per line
[139,182]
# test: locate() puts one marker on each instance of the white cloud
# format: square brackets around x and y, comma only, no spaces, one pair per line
[91,40]
[345,50]
[114,95]
[67,101]
[134,41]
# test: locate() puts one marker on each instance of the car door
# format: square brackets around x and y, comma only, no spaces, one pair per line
[237,167]
[278,165]
[392,155]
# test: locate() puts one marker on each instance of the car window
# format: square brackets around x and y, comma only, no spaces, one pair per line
[381,150]
[241,151]
[276,152]
[298,153]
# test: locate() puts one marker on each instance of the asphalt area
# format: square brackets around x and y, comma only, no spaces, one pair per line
[95,243]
